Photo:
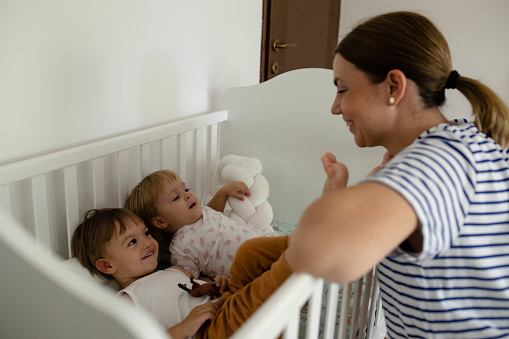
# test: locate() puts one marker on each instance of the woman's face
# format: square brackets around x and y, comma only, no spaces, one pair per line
[361,103]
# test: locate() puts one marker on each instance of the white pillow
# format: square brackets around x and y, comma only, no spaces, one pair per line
[73,265]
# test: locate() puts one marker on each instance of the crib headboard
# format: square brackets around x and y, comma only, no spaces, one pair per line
[42,200]
[286,123]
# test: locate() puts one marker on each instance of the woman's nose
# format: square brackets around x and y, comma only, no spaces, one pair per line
[336,107]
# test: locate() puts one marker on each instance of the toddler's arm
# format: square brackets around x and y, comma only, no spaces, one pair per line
[236,189]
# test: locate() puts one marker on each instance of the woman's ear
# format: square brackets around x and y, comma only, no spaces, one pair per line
[104,266]
[397,83]
[159,223]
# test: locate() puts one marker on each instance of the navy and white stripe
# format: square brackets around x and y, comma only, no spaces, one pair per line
[457,181]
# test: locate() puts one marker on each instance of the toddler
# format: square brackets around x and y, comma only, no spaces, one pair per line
[116,243]
[203,240]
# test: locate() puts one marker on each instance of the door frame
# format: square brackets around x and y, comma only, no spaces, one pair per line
[333,28]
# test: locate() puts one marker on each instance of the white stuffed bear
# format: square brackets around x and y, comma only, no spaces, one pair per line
[255,210]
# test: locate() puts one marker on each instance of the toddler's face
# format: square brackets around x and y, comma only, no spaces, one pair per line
[133,254]
[178,206]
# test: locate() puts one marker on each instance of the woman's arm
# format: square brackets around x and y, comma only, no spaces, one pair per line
[236,189]
[346,232]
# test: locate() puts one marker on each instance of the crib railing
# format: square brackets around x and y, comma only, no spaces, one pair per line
[280,314]
[48,194]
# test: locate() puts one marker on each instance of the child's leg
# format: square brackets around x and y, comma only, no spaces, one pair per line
[259,275]
[254,257]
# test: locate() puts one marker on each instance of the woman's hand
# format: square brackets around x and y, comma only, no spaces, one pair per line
[193,321]
[337,173]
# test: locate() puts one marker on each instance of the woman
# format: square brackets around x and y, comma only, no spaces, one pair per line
[435,216]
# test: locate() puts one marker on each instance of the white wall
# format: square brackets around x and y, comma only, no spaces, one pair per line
[74,71]
[476,31]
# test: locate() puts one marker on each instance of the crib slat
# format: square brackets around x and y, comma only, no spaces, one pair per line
[183,157]
[208,161]
[214,147]
[330,313]
[122,174]
[374,304]
[198,147]
[134,165]
[345,307]
[145,160]
[5,199]
[314,304]
[354,326]
[40,209]
[98,182]
[292,329]
[365,304]
[71,203]
[169,156]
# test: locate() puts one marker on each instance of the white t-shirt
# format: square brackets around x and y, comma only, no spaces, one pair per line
[158,293]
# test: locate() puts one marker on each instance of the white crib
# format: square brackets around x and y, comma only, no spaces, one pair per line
[42,200]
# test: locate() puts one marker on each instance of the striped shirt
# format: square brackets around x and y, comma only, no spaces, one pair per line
[457,181]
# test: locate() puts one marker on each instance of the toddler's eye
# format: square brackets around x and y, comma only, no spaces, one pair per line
[132,242]
[176,198]
[187,190]
[147,233]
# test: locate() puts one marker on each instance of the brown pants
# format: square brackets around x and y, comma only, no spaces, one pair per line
[258,269]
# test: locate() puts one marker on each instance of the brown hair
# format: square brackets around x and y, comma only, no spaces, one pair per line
[411,43]
[143,197]
[97,229]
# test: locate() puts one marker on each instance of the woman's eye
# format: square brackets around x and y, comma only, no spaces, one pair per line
[341,91]
[132,242]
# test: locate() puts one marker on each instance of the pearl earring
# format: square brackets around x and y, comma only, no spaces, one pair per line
[391,100]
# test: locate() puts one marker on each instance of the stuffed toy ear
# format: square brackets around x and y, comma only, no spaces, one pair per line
[255,210]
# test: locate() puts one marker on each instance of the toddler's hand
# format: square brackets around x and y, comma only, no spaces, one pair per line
[337,173]
[236,189]
[221,282]
[194,320]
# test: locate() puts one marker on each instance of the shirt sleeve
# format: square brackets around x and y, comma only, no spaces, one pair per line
[437,176]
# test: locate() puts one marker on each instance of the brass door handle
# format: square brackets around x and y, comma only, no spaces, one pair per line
[282,45]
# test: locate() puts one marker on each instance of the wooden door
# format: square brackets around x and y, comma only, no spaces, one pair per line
[298,34]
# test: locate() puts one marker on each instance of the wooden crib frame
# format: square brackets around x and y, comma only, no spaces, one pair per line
[42,200]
